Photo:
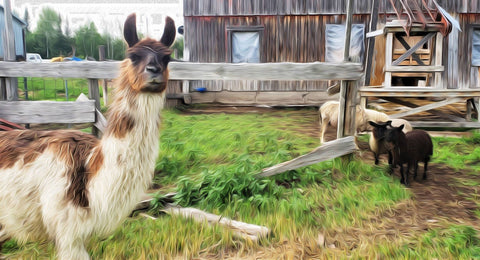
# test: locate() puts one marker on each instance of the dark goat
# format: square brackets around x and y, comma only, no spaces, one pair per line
[411,148]
[377,141]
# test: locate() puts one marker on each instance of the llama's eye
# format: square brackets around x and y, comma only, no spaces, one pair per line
[135,58]
[166,59]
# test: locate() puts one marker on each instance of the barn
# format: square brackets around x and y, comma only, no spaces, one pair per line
[268,31]
[271,31]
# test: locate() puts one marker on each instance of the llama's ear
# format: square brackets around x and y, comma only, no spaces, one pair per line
[373,124]
[168,36]
[400,128]
[389,122]
[130,30]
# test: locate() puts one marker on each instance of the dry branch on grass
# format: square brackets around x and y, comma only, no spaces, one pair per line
[240,229]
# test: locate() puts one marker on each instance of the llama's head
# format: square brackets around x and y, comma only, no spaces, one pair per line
[147,59]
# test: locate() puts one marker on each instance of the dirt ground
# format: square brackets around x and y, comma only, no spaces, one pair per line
[436,199]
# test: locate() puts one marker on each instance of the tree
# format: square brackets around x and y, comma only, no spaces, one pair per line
[178,46]
[48,39]
[26,18]
[87,40]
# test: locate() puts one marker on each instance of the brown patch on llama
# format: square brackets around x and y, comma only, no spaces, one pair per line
[72,147]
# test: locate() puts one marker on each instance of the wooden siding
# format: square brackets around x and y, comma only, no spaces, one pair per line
[270,7]
[297,38]
[305,7]
[467,74]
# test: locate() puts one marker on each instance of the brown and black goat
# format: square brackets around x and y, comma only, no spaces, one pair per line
[410,148]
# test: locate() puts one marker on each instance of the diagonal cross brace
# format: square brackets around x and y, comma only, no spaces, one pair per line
[411,51]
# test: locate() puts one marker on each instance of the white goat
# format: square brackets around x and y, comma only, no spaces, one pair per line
[66,186]
[329,115]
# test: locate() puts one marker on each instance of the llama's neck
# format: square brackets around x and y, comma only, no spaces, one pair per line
[130,149]
[132,136]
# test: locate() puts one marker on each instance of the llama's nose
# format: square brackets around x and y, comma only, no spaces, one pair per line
[152,69]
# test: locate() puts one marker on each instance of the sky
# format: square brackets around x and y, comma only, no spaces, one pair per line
[108,16]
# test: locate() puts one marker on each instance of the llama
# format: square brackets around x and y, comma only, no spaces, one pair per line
[66,186]
[411,148]
[329,115]
[377,137]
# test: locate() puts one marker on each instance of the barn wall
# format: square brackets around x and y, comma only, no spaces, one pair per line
[286,38]
[304,7]
[270,7]
[294,31]
[18,27]
[467,74]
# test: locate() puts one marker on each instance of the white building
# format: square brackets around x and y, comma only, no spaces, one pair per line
[108,16]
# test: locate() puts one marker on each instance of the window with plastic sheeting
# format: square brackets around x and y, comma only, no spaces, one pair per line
[245,47]
[335,42]
[476,47]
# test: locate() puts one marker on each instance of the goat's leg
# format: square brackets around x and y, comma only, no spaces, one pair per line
[322,130]
[376,158]
[406,173]
[402,179]
[69,247]
[415,168]
[390,162]
[425,169]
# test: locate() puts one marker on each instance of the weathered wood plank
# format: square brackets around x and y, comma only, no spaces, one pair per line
[42,112]
[100,120]
[83,69]
[266,71]
[426,107]
[435,124]
[262,98]
[417,92]
[245,230]
[326,151]
[432,111]
[191,71]
[388,59]
[439,60]
[414,68]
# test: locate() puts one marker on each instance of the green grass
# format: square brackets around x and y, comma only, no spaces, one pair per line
[458,153]
[452,242]
[53,89]
[211,162]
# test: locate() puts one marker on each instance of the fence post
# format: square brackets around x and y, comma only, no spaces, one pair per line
[94,93]
[101,57]
[348,89]
[11,84]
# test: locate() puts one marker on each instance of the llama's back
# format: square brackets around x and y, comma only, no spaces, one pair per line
[33,179]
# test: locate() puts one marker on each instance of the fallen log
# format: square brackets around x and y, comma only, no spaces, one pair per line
[326,151]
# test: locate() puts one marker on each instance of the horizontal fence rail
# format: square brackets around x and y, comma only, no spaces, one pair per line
[190,70]
[42,112]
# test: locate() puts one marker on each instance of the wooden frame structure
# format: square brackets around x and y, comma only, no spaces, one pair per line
[433,71]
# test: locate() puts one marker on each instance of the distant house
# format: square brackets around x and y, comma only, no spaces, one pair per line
[19,29]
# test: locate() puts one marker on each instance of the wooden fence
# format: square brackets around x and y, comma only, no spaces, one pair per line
[40,111]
